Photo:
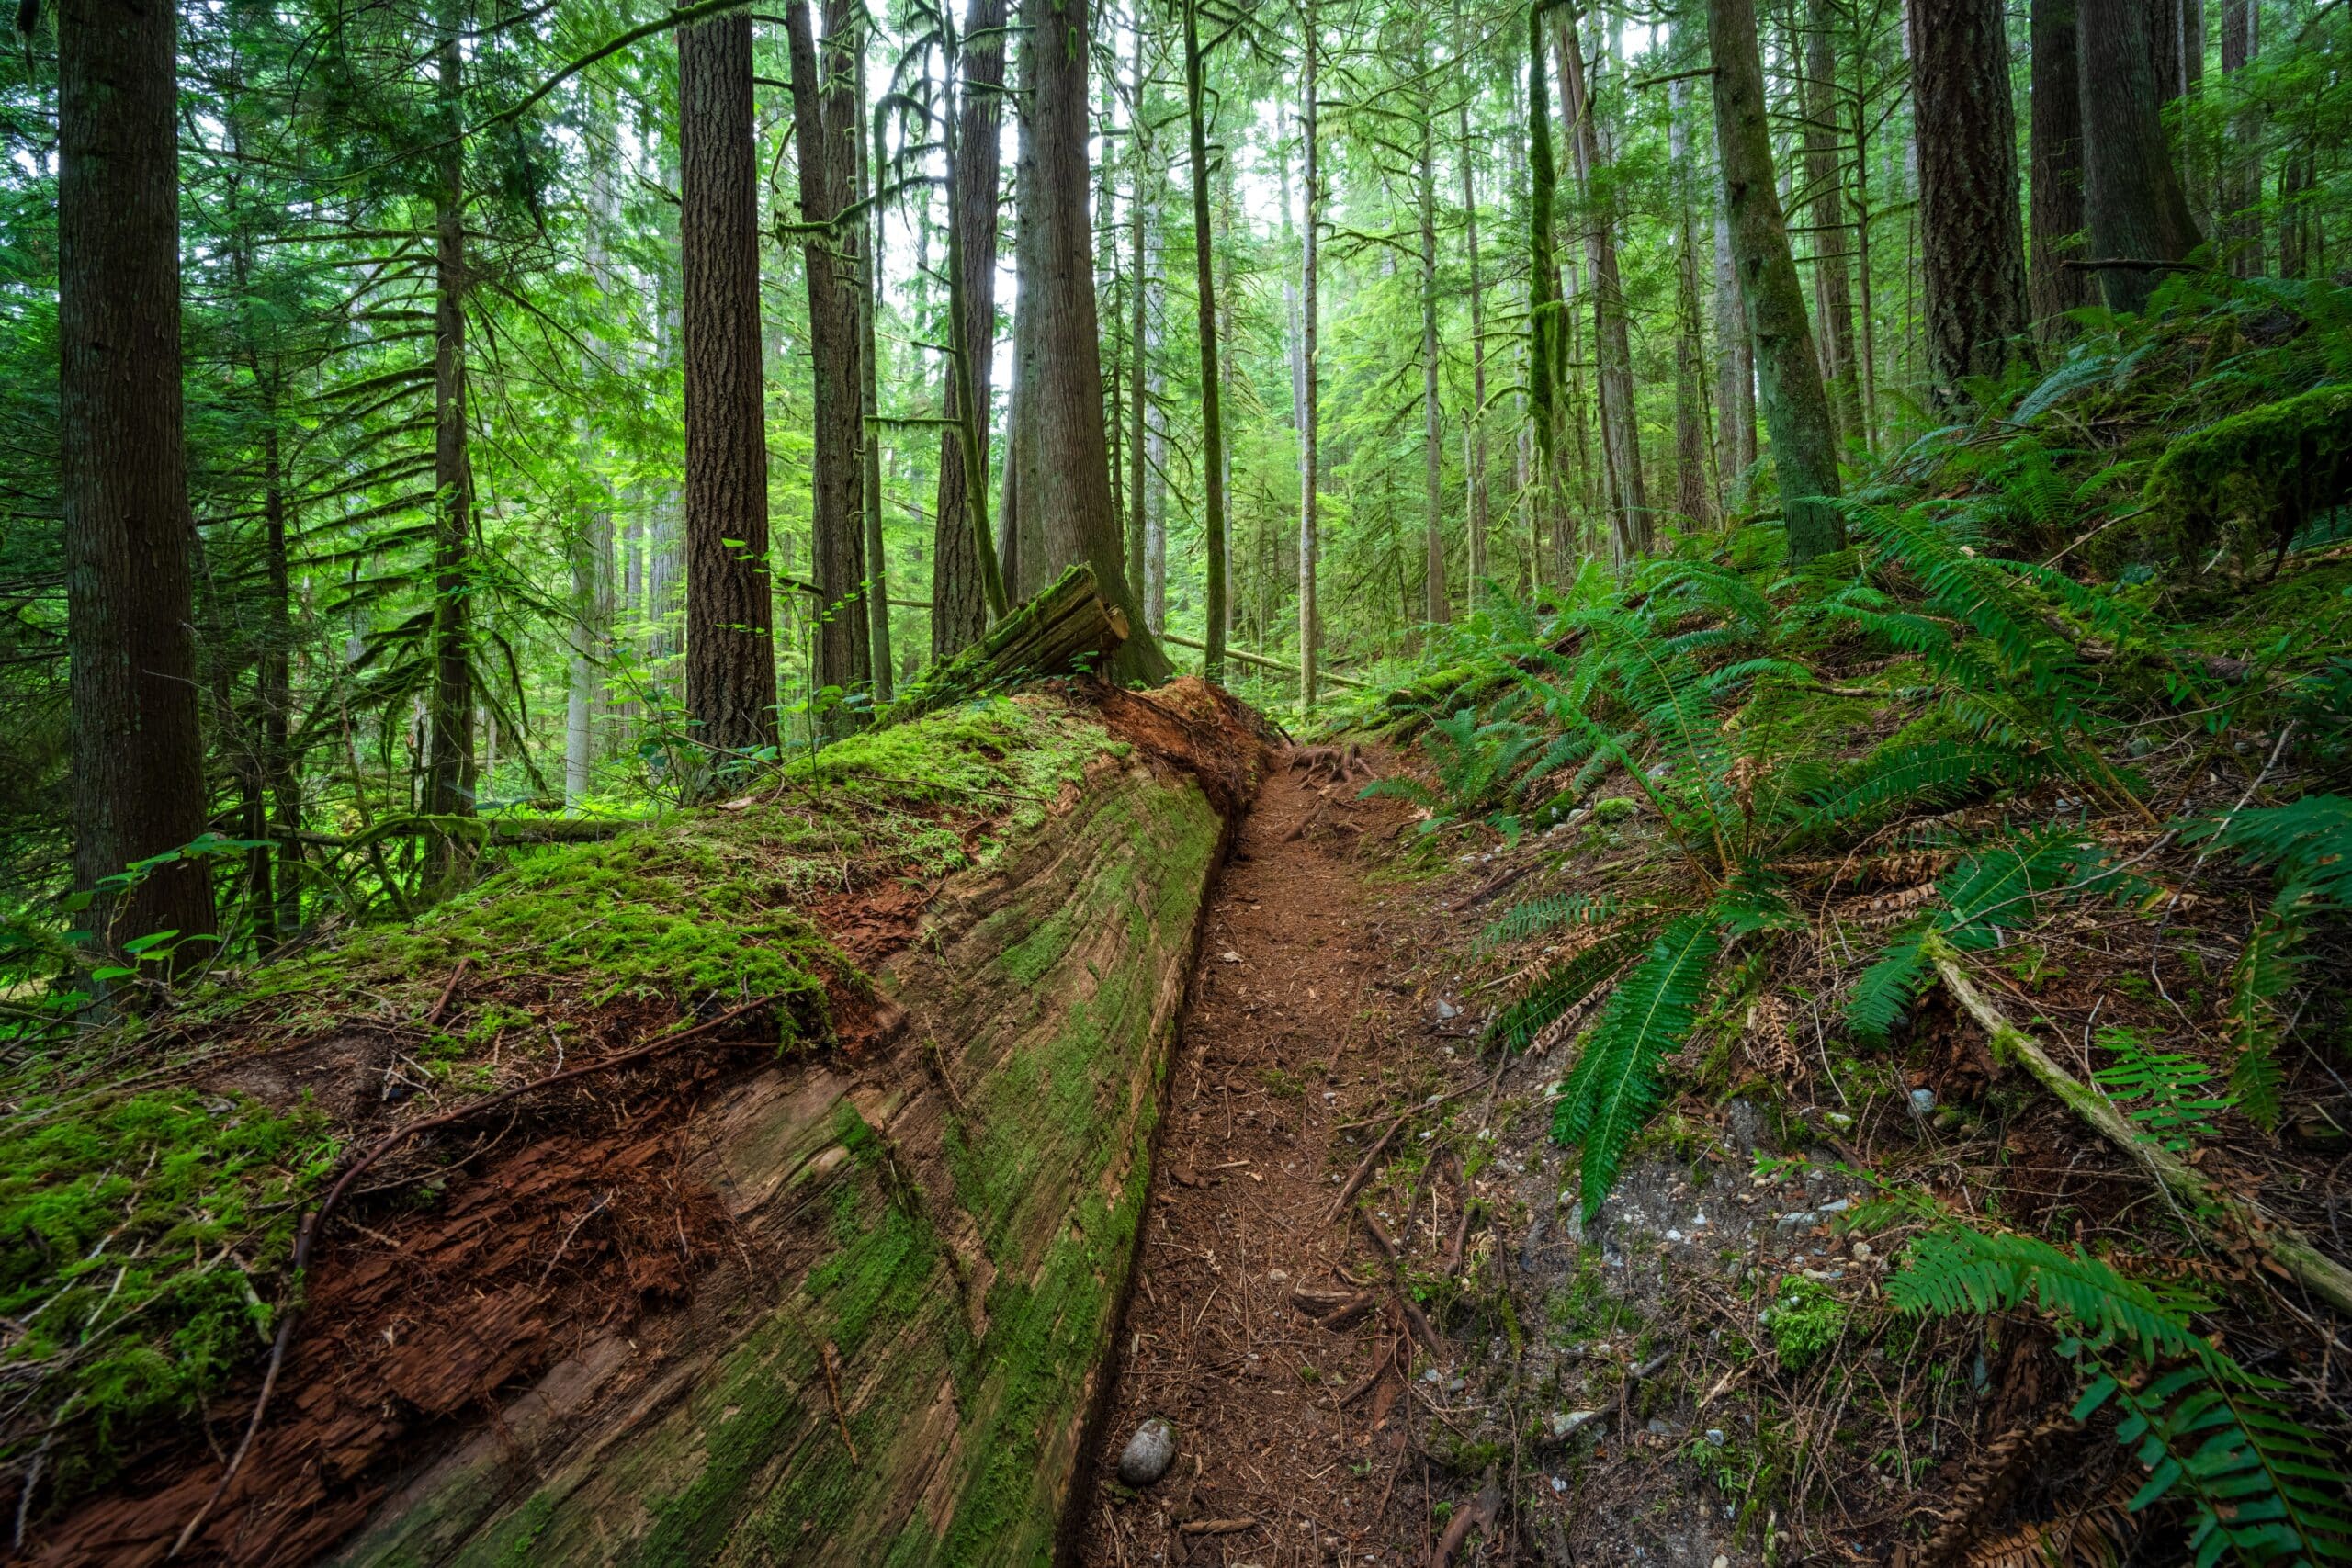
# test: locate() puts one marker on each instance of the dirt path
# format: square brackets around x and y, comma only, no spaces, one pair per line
[1289,1039]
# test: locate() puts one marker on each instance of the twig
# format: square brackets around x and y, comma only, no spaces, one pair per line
[457,976]
[1362,1172]
[565,1244]
[1478,1516]
[2199,1199]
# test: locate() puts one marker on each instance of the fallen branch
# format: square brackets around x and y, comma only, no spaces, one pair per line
[448,992]
[1478,1516]
[1243,656]
[2199,1199]
[1362,1172]
[1216,1526]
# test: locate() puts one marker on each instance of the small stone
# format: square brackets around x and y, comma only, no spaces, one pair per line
[1446,1010]
[1862,1252]
[1674,1235]
[1797,1217]
[1923,1101]
[1566,1424]
[1230,956]
[1148,1453]
[1720,1561]
[1715,1436]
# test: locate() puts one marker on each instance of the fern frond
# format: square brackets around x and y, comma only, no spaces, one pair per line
[1922,775]
[1615,1084]
[1883,998]
[2173,1084]
[1524,921]
[2307,844]
[1565,985]
[1956,1269]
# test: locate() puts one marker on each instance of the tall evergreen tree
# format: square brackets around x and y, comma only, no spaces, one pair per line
[1968,191]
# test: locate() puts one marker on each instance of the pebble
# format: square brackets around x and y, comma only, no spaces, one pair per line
[1862,1252]
[1715,1436]
[1720,1562]
[1791,1221]
[1568,1423]
[1923,1101]
[1446,1010]
[1148,1453]
[1840,1207]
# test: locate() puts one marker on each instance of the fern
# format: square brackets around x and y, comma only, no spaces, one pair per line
[2173,1084]
[1566,985]
[1882,999]
[1615,1084]
[1927,773]
[1537,915]
[2261,1484]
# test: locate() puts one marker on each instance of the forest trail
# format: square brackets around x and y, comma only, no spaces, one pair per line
[1290,1044]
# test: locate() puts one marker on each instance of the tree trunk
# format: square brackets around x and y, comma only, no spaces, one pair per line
[730,655]
[450,764]
[1832,285]
[1310,417]
[1140,196]
[868,239]
[1694,489]
[591,544]
[1613,377]
[959,600]
[1211,412]
[2131,197]
[1155,386]
[821,140]
[2056,135]
[1735,374]
[1069,462]
[1438,605]
[1968,192]
[1796,409]
[137,748]
[2242,171]
[1546,318]
[1474,483]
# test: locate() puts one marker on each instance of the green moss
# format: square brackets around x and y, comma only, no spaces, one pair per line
[2259,476]
[131,1230]
[1806,1321]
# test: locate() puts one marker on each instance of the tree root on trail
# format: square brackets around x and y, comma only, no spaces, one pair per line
[2220,1215]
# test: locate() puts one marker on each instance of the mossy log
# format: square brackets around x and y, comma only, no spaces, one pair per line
[859,1295]
[1069,626]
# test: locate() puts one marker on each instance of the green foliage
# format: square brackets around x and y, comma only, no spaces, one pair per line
[2173,1084]
[1805,1320]
[1615,1084]
[131,1232]
[2256,477]
[2261,1486]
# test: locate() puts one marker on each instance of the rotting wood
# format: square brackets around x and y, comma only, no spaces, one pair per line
[2210,1208]
[1069,625]
[962,1241]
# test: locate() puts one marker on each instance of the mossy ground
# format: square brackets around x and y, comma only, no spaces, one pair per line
[146,1220]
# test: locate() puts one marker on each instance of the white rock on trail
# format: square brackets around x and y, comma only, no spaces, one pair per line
[1148,1453]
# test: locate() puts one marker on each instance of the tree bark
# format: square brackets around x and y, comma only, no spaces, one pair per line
[1620,432]
[2241,172]
[1796,409]
[1311,418]
[1546,316]
[831,269]
[137,748]
[1974,251]
[2131,197]
[1832,283]
[2055,133]
[1694,490]
[450,764]
[730,655]
[1140,196]
[1735,374]
[959,604]
[867,235]
[1212,411]
[1069,461]
[1437,605]
[1475,480]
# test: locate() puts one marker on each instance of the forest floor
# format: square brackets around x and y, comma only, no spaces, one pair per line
[1343,1175]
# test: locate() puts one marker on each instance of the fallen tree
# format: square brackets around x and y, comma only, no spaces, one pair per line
[762,1187]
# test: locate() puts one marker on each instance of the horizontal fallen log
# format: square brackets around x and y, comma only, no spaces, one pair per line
[1260,661]
[2205,1204]
[844,1302]
[483,830]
